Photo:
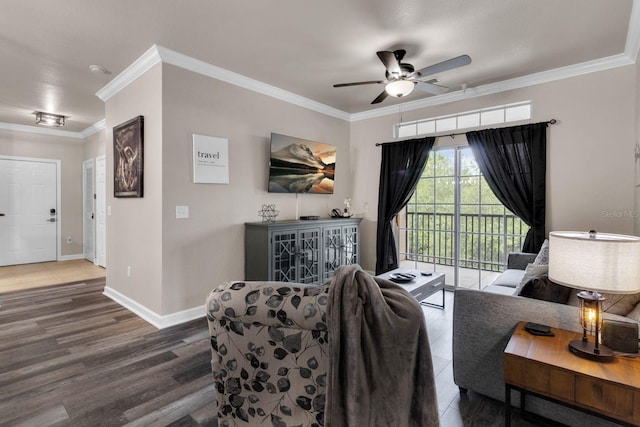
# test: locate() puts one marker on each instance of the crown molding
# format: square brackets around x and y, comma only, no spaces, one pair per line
[40,130]
[159,53]
[178,59]
[94,128]
[632,46]
[140,66]
[503,86]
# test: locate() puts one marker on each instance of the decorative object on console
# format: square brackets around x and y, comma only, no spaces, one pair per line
[268,213]
[301,166]
[594,262]
[347,206]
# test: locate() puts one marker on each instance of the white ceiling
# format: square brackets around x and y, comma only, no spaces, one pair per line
[303,47]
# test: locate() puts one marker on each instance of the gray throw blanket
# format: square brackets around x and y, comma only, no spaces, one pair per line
[380,370]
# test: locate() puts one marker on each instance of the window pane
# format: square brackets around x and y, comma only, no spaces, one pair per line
[424,191]
[468,120]
[469,210]
[444,190]
[468,165]
[426,127]
[469,190]
[429,168]
[487,195]
[406,130]
[492,117]
[446,124]
[445,162]
[518,112]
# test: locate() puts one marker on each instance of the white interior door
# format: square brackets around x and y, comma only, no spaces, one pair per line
[101,211]
[88,211]
[28,211]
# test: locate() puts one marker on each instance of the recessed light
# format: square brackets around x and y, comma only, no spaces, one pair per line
[99,69]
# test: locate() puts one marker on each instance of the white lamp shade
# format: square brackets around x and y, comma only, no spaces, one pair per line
[595,261]
[399,88]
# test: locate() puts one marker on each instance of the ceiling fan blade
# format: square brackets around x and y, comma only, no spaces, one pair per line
[360,83]
[431,88]
[399,54]
[390,61]
[449,64]
[380,97]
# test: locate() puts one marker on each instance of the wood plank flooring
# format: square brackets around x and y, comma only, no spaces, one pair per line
[69,356]
[29,276]
[458,410]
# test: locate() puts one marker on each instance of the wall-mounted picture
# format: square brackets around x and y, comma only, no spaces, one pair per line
[301,166]
[210,160]
[128,139]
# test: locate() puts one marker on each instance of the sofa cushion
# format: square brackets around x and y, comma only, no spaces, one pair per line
[635,313]
[502,290]
[544,289]
[620,304]
[509,278]
[532,270]
[543,256]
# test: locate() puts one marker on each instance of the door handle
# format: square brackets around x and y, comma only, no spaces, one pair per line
[51,220]
[1,213]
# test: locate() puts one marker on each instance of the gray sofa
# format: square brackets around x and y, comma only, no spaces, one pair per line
[509,279]
[483,322]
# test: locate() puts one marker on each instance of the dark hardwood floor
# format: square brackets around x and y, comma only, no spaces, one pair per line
[69,356]
[457,410]
[72,357]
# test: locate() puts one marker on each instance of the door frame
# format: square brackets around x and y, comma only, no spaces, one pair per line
[59,209]
[100,252]
[86,166]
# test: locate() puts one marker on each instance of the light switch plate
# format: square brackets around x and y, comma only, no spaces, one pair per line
[182,212]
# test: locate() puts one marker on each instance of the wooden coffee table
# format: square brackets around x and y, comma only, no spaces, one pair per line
[544,367]
[421,287]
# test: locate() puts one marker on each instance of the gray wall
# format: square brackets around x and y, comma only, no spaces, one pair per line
[174,263]
[590,151]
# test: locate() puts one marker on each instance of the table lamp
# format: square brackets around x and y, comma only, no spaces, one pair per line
[594,262]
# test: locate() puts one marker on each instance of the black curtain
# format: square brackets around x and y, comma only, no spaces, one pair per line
[400,170]
[513,160]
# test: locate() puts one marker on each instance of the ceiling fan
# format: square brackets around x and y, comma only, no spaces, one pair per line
[401,78]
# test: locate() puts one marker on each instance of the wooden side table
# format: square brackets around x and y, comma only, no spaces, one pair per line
[544,367]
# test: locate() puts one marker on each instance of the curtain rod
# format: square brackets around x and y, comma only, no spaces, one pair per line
[451,135]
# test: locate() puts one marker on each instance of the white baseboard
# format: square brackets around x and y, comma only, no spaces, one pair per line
[70,257]
[152,317]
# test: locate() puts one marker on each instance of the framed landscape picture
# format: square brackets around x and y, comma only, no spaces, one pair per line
[128,140]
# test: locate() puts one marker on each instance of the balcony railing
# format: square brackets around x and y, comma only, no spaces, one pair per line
[484,239]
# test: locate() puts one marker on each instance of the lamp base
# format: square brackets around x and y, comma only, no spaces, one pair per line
[586,349]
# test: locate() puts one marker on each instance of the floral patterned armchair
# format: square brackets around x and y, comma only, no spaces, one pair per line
[270,353]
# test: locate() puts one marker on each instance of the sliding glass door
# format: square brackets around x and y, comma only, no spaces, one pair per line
[454,223]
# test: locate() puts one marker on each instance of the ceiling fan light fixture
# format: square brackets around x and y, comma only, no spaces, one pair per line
[399,88]
[48,119]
